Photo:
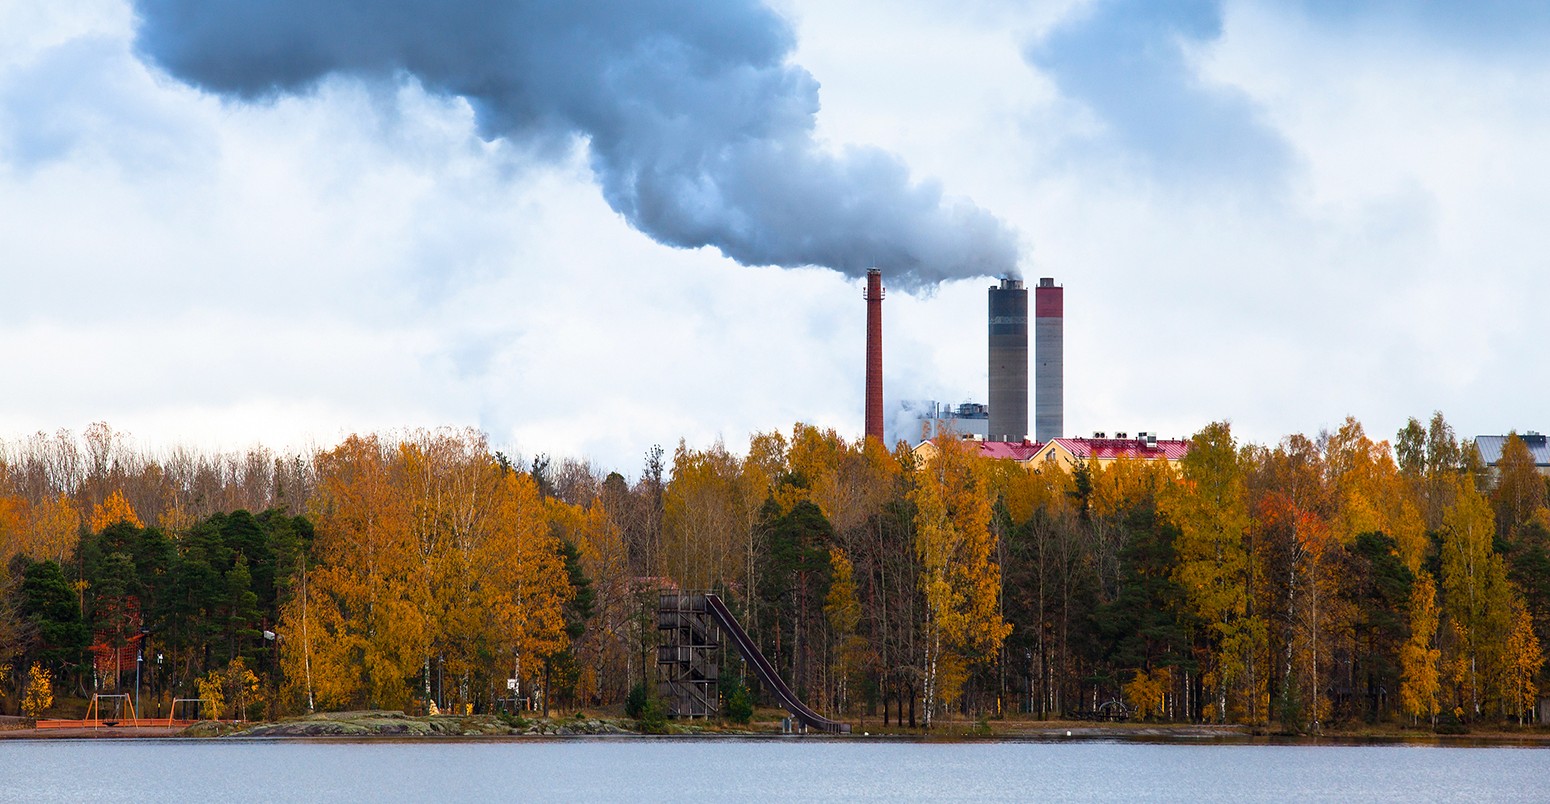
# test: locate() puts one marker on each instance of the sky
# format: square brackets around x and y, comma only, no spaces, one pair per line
[588,230]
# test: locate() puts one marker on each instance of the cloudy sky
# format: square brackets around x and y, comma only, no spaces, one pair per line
[589,230]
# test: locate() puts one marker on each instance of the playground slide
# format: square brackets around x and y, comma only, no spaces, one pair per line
[767,673]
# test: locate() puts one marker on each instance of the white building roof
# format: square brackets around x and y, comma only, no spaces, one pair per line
[1490,447]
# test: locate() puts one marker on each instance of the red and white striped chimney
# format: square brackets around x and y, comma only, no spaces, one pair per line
[874,354]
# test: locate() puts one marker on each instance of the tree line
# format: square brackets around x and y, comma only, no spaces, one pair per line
[1322,580]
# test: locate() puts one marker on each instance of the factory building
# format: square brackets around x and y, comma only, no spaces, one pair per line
[933,419]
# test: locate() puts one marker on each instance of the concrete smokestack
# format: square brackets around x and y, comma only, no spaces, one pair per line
[1049,322]
[874,355]
[1008,361]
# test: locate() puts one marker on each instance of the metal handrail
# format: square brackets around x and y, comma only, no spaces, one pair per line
[767,672]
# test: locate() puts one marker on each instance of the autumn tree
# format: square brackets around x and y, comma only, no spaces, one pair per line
[113,510]
[13,540]
[1147,692]
[702,518]
[365,632]
[843,610]
[1520,489]
[1476,595]
[39,693]
[54,525]
[960,577]
[1049,586]
[604,556]
[1429,456]
[1210,508]
[1370,493]
[1420,685]
[1524,659]
[525,580]
[1291,510]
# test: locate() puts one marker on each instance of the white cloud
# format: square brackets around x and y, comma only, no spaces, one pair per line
[357,258]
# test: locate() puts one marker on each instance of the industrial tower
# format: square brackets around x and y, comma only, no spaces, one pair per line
[1008,361]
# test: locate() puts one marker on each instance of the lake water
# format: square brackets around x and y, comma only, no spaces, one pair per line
[786,769]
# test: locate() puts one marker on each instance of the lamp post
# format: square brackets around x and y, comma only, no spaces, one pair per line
[1028,699]
[139,660]
[274,638]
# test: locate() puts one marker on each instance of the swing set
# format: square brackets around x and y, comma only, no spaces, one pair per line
[117,709]
[122,703]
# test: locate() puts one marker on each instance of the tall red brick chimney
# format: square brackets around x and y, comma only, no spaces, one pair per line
[874,355]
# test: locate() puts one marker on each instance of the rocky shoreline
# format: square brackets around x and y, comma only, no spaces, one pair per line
[398,724]
[391,724]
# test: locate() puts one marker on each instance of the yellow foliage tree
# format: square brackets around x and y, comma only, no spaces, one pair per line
[522,577]
[367,631]
[55,525]
[1418,660]
[239,686]
[843,611]
[1476,595]
[1371,495]
[39,694]
[1524,659]
[702,518]
[1210,507]
[606,560]
[960,576]
[814,458]
[13,523]
[113,510]
[1147,692]
[1520,489]
[212,695]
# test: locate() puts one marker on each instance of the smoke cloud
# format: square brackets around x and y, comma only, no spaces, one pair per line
[698,129]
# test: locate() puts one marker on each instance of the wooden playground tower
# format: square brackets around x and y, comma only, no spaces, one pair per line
[689,658]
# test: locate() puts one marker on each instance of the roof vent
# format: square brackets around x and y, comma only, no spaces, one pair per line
[1121,435]
[1100,434]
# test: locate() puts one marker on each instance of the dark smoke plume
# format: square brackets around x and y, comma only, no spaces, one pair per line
[698,129]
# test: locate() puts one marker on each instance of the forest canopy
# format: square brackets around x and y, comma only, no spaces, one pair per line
[1320,580]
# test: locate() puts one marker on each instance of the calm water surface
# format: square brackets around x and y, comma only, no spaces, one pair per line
[757,770]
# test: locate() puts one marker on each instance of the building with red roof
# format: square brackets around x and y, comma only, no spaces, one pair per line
[1020,451]
[1066,453]
[1100,449]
